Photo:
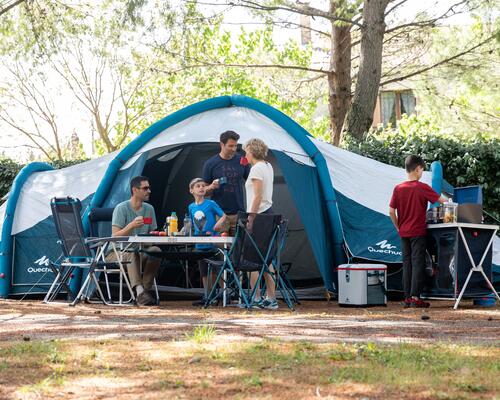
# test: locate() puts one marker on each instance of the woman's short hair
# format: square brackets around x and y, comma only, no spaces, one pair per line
[257,147]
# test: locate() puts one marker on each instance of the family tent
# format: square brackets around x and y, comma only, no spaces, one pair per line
[336,201]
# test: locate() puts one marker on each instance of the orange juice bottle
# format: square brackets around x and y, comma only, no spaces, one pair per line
[174,224]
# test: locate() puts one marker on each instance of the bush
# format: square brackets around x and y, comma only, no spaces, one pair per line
[466,160]
[10,168]
[8,171]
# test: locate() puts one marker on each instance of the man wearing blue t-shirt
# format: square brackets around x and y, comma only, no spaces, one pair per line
[227,172]
[207,218]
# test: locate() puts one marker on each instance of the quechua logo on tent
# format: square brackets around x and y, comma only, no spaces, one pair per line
[41,265]
[384,247]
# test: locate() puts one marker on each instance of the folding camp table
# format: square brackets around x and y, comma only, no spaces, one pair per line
[477,240]
[124,243]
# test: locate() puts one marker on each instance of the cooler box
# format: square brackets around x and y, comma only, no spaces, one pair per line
[468,194]
[362,284]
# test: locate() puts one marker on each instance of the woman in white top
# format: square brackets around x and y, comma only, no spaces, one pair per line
[259,193]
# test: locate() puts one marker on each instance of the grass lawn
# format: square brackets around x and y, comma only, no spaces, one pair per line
[203,364]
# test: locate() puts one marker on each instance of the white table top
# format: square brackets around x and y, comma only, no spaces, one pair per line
[462,225]
[175,239]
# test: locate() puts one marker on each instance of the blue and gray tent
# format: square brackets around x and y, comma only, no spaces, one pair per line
[336,201]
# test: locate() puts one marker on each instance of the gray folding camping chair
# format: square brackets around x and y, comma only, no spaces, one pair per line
[79,253]
[98,218]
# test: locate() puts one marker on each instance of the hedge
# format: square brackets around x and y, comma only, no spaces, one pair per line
[467,160]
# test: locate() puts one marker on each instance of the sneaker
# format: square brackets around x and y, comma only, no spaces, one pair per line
[407,302]
[145,299]
[419,303]
[156,299]
[258,304]
[201,302]
[270,304]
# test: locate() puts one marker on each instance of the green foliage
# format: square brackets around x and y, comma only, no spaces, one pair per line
[463,96]
[181,56]
[204,61]
[58,164]
[8,171]
[466,159]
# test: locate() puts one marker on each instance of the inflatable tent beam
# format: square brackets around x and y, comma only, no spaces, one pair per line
[6,238]
[437,179]
[136,144]
[294,129]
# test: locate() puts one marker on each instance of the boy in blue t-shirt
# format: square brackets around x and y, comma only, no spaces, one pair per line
[206,217]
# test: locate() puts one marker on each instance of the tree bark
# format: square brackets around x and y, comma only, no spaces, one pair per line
[360,116]
[339,79]
[103,131]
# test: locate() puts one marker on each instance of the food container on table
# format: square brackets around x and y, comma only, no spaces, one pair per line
[450,212]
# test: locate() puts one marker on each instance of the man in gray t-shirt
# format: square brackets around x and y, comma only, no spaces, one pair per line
[135,217]
[124,214]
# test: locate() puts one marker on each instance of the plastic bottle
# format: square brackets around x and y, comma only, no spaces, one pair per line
[174,223]
[167,226]
[187,225]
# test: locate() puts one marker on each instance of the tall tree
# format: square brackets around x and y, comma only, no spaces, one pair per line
[28,110]
[339,76]
[87,47]
[367,23]
[360,116]
[201,60]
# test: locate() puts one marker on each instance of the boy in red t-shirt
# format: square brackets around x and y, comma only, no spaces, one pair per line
[407,210]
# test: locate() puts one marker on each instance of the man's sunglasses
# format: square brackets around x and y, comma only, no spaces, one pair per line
[145,188]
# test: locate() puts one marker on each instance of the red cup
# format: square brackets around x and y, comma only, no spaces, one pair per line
[243,161]
[148,220]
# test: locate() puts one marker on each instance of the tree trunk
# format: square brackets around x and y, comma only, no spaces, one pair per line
[339,79]
[103,132]
[360,116]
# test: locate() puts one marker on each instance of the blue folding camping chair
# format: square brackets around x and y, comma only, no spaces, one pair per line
[251,251]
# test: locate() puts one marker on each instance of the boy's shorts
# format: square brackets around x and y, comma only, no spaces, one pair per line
[202,264]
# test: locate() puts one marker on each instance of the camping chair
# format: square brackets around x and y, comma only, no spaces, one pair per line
[251,252]
[99,215]
[78,253]
[284,285]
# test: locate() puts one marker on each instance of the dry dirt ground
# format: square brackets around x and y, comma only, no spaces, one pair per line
[315,321]
[319,351]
